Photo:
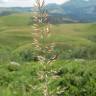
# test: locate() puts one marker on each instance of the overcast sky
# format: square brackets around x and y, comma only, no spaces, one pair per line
[25,3]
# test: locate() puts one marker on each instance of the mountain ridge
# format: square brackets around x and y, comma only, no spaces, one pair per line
[75,10]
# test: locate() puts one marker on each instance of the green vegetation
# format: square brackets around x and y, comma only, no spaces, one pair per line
[75,67]
[72,40]
[74,78]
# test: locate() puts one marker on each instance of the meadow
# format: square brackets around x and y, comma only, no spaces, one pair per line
[75,66]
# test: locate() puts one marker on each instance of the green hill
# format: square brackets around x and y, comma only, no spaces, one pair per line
[75,40]
[75,69]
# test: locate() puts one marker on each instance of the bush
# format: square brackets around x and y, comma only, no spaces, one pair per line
[24,53]
[87,52]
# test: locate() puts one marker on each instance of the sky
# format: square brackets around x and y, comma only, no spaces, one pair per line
[25,3]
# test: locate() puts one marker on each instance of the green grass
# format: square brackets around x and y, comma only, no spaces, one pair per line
[16,32]
[76,78]
[76,65]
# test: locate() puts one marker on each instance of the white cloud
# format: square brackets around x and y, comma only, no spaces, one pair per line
[56,1]
[25,3]
[1,1]
[15,3]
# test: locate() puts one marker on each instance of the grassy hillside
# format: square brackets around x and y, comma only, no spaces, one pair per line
[72,40]
[75,67]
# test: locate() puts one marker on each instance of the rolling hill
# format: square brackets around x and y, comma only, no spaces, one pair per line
[73,73]
[16,34]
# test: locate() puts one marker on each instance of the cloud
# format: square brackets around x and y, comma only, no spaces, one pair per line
[56,1]
[25,3]
[1,1]
[16,3]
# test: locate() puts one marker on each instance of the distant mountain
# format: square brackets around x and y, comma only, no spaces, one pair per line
[10,10]
[71,11]
[55,8]
[79,10]
[82,10]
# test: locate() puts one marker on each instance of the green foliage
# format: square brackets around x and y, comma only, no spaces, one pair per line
[74,78]
[24,53]
[15,37]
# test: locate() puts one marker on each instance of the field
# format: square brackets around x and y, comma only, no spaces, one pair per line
[75,66]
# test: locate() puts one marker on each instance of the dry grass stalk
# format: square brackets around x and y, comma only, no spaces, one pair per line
[43,49]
